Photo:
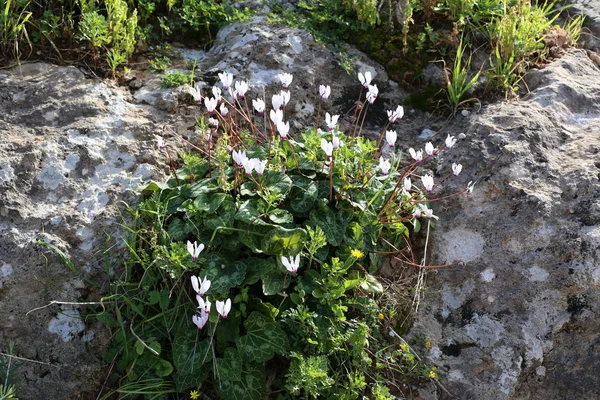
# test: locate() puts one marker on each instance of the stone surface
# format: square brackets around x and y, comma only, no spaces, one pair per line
[517,318]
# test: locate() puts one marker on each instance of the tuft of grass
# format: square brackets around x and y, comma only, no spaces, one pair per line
[458,80]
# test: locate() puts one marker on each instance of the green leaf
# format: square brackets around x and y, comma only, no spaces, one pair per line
[279,216]
[223,275]
[371,285]
[209,202]
[163,368]
[264,337]
[257,268]
[280,241]
[190,355]
[277,182]
[334,225]
[274,282]
[203,186]
[139,347]
[155,186]
[251,212]
[303,195]
[223,219]
[179,229]
[238,381]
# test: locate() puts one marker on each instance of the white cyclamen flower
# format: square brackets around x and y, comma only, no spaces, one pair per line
[286,79]
[249,165]
[407,184]
[286,97]
[200,286]
[259,105]
[416,155]
[372,93]
[385,166]
[203,305]
[160,142]
[241,87]
[427,181]
[194,249]
[223,109]
[239,157]
[365,79]
[324,91]
[200,320]
[427,212]
[223,307]
[429,149]
[291,264]
[217,93]
[456,168]
[390,138]
[450,141]
[259,166]
[331,121]
[213,122]
[393,116]
[195,92]
[277,101]
[283,129]
[327,147]
[417,213]
[276,116]
[226,79]
[336,142]
[470,187]
[211,104]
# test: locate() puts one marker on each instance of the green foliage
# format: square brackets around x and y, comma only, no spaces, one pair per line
[14,16]
[160,64]
[176,78]
[459,81]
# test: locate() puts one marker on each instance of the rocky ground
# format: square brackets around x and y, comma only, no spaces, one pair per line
[515,320]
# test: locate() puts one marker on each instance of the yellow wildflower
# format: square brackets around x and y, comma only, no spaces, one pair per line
[357,253]
[432,375]
[194,394]
[381,316]
[404,347]
[428,345]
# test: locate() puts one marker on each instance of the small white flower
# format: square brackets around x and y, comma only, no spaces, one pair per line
[194,249]
[203,305]
[241,87]
[211,104]
[324,91]
[470,187]
[336,142]
[226,79]
[239,157]
[217,93]
[259,166]
[407,184]
[427,212]
[365,79]
[259,105]
[223,307]
[291,264]
[427,181]
[286,79]
[223,109]
[276,116]
[331,121]
[390,138]
[160,142]
[417,213]
[385,166]
[213,122]
[456,168]
[200,320]
[277,101]
[195,92]
[450,141]
[200,286]
[372,93]
[393,116]
[249,165]
[283,129]
[429,149]
[416,155]
[327,147]
[286,97]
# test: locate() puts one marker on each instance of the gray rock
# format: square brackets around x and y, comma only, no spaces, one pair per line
[590,34]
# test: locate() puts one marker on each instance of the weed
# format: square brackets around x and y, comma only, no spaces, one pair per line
[177,78]
[13,19]
[160,64]
[458,81]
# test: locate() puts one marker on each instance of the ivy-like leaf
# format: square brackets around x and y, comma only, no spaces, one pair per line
[239,381]
[223,276]
[280,216]
[274,282]
[303,195]
[334,225]
[277,182]
[224,218]
[209,202]
[179,229]
[251,212]
[203,186]
[257,268]
[280,241]
[263,338]
[190,356]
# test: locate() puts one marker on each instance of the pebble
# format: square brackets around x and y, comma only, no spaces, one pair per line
[426,134]
[465,113]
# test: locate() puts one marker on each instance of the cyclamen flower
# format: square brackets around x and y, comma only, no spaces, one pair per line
[417,213]
[239,157]
[241,87]
[470,187]
[226,79]
[200,286]
[417,156]
[249,165]
[331,121]
[200,320]
[393,116]
[365,79]
[385,166]
[429,149]
[285,96]
[450,141]
[427,181]
[283,129]
[203,305]
[427,212]
[217,93]
[223,307]
[259,106]
[195,92]
[160,142]
[324,91]
[277,101]
[286,79]
[194,249]
[291,264]
[211,104]
[336,142]
[327,147]
[213,122]
[372,93]
[390,138]
[223,109]
[456,168]
[259,166]
[407,184]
